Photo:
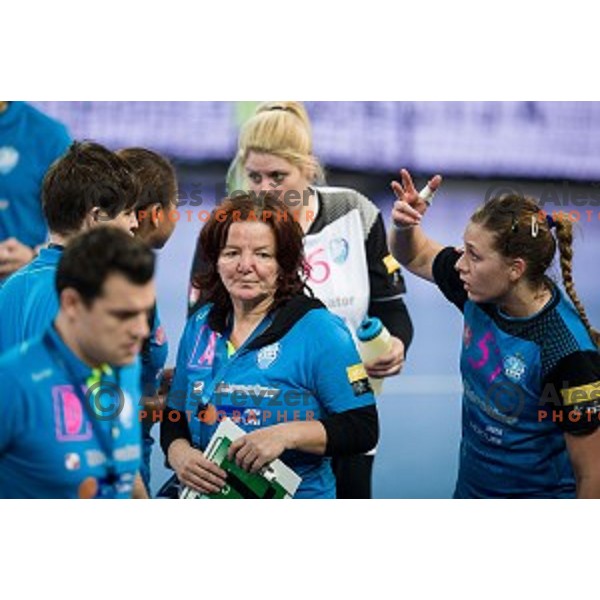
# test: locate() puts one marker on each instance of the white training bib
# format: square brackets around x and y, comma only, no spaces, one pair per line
[338,268]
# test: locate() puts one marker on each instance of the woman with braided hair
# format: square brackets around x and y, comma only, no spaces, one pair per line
[530,363]
[564,236]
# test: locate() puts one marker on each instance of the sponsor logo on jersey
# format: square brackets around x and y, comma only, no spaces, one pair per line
[340,302]
[94,458]
[70,421]
[72,461]
[253,391]
[123,488]
[358,378]
[356,372]
[339,250]
[391,264]
[127,453]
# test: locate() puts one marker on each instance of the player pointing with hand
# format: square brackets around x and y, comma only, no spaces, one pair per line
[530,358]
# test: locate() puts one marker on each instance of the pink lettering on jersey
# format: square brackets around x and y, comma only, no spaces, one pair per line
[207,356]
[70,421]
[484,345]
[485,352]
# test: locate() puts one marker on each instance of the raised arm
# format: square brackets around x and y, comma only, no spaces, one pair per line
[408,242]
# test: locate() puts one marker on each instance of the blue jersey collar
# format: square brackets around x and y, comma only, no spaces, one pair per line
[74,364]
[50,256]
[547,307]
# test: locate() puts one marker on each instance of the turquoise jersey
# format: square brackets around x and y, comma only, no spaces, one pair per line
[29,143]
[55,441]
[28,299]
[311,371]
[28,305]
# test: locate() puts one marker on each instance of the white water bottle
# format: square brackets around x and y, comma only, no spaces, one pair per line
[374,341]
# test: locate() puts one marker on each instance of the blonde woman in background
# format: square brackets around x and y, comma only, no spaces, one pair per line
[351,269]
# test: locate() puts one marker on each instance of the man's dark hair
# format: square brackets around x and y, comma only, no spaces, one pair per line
[88,175]
[156,177]
[90,258]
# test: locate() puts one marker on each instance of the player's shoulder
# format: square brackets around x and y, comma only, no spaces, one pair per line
[337,202]
[22,361]
[199,317]
[321,327]
[38,118]
[347,197]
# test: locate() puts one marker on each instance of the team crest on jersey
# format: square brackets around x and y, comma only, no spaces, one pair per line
[9,158]
[339,250]
[268,355]
[514,367]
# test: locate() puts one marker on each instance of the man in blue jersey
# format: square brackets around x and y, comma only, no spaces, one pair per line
[69,424]
[29,143]
[157,198]
[88,186]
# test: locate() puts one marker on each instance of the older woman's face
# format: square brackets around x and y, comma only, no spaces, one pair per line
[247,264]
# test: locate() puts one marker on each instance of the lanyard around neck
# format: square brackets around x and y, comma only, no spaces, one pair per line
[104,436]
